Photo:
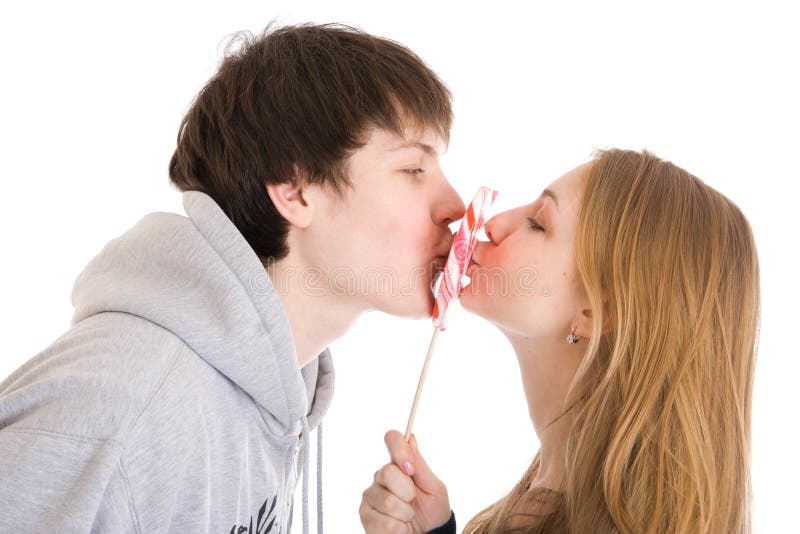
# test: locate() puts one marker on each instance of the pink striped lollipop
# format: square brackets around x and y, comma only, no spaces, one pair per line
[451,282]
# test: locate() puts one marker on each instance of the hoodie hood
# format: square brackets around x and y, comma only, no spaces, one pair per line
[197,277]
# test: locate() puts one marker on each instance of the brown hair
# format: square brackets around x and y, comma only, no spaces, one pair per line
[660,439]
[295,102]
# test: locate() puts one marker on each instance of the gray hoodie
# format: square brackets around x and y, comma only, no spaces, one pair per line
[174,403]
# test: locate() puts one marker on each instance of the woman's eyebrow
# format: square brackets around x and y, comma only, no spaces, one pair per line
[552,195]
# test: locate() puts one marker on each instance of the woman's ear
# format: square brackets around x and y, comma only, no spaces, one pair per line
[584,322]
[290,201]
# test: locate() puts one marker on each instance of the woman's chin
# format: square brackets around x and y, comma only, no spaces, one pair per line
[489,309]
[472,300]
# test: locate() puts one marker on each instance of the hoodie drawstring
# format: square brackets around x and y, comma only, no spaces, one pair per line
[319,478]
[306,461]
[304,445]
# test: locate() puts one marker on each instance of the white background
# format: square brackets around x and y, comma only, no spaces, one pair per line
[90,101]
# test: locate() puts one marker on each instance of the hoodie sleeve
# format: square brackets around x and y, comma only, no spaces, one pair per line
[447,528]
[60,482]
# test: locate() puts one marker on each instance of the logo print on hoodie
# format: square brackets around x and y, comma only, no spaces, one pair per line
[265,523]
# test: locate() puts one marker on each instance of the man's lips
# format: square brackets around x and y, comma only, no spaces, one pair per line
[438,263]
[444,252]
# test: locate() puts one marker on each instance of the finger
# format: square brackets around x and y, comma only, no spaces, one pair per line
[400,451]
[395,481]
[375,522]
[387,503]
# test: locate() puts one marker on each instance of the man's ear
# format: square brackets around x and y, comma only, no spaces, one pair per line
[291,203]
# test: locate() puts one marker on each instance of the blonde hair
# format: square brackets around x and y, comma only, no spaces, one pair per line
[661,435]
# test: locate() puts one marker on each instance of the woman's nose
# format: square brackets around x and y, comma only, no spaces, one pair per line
[497,228]
[493,230]
[488,230]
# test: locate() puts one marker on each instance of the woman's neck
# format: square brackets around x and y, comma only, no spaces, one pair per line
[547,369]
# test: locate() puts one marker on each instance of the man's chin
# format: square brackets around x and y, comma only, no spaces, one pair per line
[407,307]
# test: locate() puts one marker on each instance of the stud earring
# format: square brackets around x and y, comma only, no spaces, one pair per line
[572,338]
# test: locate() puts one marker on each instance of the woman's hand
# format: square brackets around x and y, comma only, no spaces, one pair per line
[405,497]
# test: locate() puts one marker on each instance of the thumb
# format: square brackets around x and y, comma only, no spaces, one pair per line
[424,479]
[400,452]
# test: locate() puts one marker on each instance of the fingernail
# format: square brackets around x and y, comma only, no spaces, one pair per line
[408,467]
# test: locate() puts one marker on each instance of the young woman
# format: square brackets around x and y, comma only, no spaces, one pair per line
[637,367]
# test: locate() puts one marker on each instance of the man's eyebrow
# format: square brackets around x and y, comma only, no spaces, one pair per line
[428,149]
[552,195]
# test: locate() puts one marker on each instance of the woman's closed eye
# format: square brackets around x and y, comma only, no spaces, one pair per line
[413,172]
[534,225]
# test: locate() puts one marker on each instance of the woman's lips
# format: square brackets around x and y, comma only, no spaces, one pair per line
[439,262]
[472,266]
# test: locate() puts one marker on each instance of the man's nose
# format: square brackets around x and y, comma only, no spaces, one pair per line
[450,208]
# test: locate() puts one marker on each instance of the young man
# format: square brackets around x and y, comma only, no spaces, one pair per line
[182,397]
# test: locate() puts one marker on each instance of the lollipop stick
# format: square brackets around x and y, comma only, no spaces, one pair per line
[421,381]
